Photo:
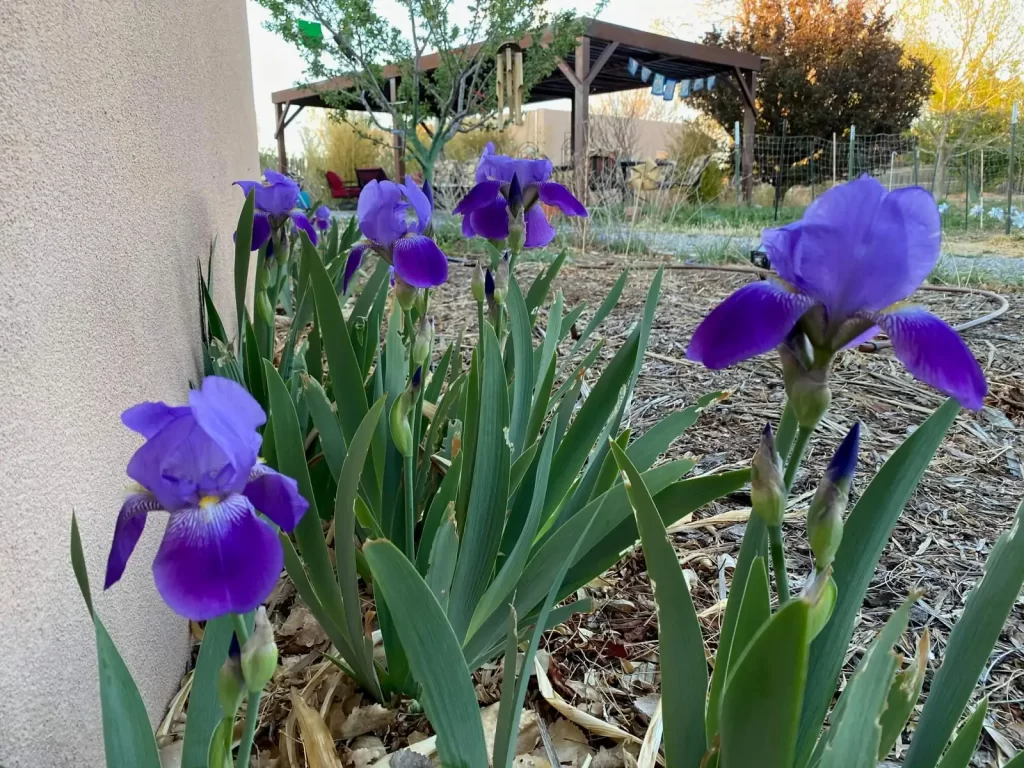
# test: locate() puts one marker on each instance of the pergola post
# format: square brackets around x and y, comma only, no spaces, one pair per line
[748,93]
[397,139]
[282,157]
[581,118]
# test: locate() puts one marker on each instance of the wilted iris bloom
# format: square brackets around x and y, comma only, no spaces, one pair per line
[277,201]
[841,271]
[199,464]
[322,218]
[485,208]
[393,218]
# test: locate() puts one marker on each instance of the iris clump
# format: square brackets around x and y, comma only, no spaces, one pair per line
[507,188]
[395,220]
[199,464]
[277,200]
[842,272]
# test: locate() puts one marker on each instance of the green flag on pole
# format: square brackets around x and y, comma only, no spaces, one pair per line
[311,29]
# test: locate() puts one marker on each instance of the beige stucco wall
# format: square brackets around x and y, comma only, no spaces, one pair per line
[546,133]
[122,126]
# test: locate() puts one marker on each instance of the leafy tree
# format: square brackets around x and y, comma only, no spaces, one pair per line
[976,50]
[430,108]
[831,64]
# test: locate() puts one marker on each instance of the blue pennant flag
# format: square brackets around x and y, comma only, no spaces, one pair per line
[698,84]
[645,74]
[659,85]
[711,82]
[684,89]
[670,89]
[633,65]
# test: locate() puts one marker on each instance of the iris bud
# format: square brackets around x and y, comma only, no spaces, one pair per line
[423,341]
[501,280]
[516,216]
[264,308]
[401,432]
[767,489]
[477,283]
[230,683]
[405,294]
[807,388]
[825,515]
[259,655]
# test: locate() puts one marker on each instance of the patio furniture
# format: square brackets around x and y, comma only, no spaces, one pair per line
[365,175]
[338,187]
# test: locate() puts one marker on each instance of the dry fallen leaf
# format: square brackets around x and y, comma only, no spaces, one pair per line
[316,738]
[570,743]
[365,750]
[652,741]
[529,733]
[362,720]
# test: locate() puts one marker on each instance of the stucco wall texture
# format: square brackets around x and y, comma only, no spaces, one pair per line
[122,126]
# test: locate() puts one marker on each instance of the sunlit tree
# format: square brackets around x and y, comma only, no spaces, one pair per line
[976,51]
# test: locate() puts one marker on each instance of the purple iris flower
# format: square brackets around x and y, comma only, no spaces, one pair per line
[485,207]
[199,464]
[393,218]
[843,269]
[322,218]
[277,200]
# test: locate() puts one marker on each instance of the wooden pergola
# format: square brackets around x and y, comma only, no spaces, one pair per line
[598,65]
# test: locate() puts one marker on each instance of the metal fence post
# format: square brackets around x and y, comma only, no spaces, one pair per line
[1009,177]
[813,153]
[967,189]
[917,162]
[850,154]
[736,159]
[833,158]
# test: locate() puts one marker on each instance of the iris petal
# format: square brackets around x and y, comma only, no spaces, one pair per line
[229,416]
[131,521]
[216,560]
[753,320]
[149,418]
[538,231]
[481,195]
[934,353]
[355,258]
[419,262]
[491,221]
[420,203]
[553,193]
[302,222]
[260,229]
[378,214]
[276,496]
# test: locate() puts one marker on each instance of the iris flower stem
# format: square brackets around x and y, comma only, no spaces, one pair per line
[803,437]
[779,563]
[252,710]
[252,715]
[240,628]
[480,319]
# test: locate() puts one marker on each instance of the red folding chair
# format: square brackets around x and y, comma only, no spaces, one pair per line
[338,187]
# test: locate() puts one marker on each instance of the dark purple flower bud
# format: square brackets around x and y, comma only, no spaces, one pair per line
[417,379]
[767,489]
[489,285]
[515,196]
[825,515]
[844,460]
[230,681]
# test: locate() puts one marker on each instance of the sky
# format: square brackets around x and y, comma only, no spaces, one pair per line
[276,65]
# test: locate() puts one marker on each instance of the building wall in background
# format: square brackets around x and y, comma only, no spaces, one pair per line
[122,126]
[547,131]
